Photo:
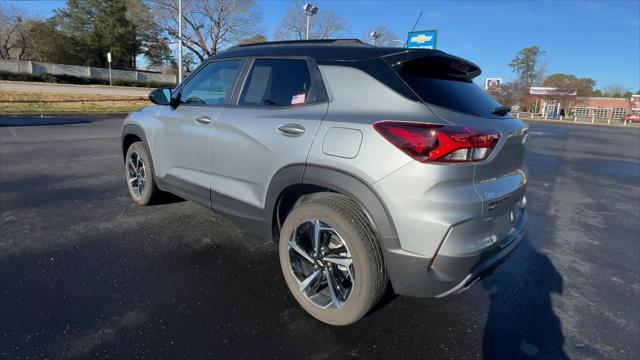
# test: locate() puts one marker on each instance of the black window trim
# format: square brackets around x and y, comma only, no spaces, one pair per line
[314,73]
[177,94]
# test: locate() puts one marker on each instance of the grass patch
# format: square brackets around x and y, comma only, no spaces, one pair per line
[14,102]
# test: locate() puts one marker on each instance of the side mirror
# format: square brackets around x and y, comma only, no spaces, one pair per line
[160,96]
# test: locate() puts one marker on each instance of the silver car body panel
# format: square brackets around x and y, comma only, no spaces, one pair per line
[183,146]
[248,150]
[443,223]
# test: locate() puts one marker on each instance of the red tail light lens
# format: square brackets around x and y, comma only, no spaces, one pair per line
[438,143]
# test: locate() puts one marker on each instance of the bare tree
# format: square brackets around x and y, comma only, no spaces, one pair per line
[13,33]
[615,90]
[386,37]
[326,24]
[208,25]
[507,94]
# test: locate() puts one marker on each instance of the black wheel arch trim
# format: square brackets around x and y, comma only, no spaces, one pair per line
[340,181]
[133,129]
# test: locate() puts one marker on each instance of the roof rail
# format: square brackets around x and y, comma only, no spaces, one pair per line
[349,42]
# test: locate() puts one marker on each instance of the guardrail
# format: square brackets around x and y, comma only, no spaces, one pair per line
[574,119]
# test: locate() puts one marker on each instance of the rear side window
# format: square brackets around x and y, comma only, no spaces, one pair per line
[275,82]
[448,90]
[211,85]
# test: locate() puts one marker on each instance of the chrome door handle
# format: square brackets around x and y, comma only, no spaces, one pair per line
[290,129]
[203,119]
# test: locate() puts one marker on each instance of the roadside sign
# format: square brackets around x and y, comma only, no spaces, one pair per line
[424,39]
[539,90]
[109,61]
[491,82]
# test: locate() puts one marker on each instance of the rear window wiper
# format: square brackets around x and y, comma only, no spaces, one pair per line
[501,110]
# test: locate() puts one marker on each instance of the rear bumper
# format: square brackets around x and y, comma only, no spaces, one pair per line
[411,275]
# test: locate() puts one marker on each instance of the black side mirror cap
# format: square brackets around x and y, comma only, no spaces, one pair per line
[160,96]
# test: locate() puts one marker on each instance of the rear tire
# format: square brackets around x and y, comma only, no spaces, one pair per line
[139,174]
[348,256]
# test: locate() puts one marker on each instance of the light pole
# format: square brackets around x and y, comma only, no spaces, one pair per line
[309,10]
[374,36]
[179,41]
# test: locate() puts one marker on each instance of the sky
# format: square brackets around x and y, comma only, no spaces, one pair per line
[596,39]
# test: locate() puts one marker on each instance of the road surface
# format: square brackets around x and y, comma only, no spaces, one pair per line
[86,273]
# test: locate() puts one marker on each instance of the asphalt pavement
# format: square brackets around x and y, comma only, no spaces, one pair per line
[75,89]
[86,273]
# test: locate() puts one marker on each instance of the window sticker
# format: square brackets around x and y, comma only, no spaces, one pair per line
[297,99]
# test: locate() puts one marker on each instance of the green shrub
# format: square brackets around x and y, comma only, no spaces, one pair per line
[77,80]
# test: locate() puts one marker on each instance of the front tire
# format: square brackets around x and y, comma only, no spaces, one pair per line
[139,174]
[331,260]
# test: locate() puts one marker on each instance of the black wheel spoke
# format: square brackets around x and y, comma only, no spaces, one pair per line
[136,174]
[322,264]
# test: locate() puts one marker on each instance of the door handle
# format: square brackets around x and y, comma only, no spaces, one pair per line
[290,129]
[203,119]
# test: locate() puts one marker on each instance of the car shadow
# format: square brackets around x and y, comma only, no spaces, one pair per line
[164,198]
[521,322]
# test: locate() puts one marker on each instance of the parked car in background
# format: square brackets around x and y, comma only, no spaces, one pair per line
[368,166]
[631,118]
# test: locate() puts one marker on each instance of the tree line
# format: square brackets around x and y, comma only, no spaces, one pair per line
[84,31]
[530,69]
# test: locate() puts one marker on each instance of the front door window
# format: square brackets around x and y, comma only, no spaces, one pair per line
[211,85]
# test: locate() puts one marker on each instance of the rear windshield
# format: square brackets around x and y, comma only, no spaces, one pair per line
[447,90]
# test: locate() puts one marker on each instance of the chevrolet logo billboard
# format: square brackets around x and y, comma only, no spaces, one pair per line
[425,39]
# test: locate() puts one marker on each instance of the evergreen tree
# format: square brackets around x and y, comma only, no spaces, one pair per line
[92,28]
[526,65]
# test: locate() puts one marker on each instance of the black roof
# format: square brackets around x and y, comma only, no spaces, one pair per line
[321,50]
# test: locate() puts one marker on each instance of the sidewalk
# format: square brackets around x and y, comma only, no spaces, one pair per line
[77,89]
[573,120]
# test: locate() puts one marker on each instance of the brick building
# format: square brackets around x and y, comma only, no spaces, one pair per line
[599,107]
[562,102]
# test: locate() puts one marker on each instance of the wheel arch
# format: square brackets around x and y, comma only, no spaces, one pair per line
[132,133]
[297,182]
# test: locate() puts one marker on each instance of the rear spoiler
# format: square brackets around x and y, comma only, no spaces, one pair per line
[434,64]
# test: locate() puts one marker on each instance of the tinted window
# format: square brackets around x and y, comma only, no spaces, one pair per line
[446,91]
[212,84]
[277,83]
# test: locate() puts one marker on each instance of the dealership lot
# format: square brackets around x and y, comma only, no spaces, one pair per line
[84,272]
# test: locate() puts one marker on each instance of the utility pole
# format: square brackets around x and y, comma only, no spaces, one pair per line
[309,10]
[179,41]
[307,27]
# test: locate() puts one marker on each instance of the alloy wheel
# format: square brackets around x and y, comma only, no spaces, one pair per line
[321,262]
[136,174]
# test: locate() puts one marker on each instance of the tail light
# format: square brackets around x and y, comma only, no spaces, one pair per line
[438,143]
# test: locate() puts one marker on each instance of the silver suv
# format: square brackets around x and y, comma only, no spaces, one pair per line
[368,166]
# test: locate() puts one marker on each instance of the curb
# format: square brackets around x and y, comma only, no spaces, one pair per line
[141,88]
[65,114]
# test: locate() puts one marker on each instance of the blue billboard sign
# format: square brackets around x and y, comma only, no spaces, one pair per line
[425,39]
